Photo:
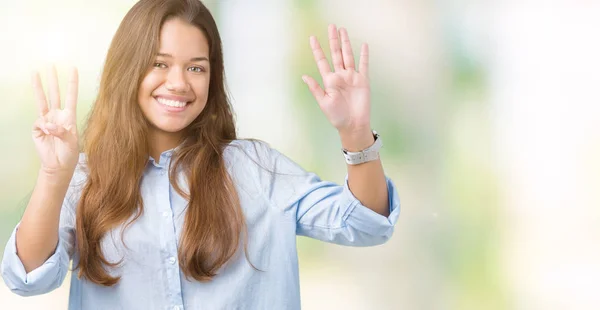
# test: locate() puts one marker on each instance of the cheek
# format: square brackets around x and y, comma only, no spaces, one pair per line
[201,88]
[149,84]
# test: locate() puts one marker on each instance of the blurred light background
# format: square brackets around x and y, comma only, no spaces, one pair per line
[489,112]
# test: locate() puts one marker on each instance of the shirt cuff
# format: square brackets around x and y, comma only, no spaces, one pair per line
[369,221]
[38,281]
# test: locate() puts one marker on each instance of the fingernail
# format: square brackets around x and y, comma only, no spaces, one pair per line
[50,126]
[304,79]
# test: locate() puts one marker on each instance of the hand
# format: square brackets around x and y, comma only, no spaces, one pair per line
[345,99]
[55,131]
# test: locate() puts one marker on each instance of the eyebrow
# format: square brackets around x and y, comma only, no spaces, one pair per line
[193,59]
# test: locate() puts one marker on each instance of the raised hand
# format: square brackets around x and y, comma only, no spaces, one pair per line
[345,96]
[55,130]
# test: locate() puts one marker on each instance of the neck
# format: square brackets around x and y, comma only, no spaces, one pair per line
[161,141]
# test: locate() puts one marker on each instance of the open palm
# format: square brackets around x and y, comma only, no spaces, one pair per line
[55,130]
[345,96]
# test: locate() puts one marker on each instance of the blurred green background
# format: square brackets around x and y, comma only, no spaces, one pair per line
[487,111]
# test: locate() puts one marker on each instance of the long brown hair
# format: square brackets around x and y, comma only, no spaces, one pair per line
[117,150]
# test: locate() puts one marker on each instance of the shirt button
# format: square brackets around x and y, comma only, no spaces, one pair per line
[172,261]
[165,214]
[176,308]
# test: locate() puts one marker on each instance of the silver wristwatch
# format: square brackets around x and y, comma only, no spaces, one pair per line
[368,154]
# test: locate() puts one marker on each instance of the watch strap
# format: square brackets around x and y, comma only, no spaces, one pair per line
[369,154]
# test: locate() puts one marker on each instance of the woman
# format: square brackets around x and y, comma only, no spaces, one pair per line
[165,208]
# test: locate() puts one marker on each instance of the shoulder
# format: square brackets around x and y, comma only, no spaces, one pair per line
[259,157]
[80,175]
[82,159]
[81,170]
[77,184]
[253,145]
[246,160]
[249,151]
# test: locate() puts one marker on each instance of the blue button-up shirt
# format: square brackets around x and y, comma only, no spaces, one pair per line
[277,207]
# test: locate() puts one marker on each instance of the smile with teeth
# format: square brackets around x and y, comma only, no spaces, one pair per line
[171,103]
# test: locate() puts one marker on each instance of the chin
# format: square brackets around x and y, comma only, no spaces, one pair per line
[170,128]
[166,126]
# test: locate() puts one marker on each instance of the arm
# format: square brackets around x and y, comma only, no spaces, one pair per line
[367,180]
[38,261]
[37,254]
[345,100]
[55,138]
[37,236]
[322,210]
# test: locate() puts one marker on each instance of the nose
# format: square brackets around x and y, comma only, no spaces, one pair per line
[176,81]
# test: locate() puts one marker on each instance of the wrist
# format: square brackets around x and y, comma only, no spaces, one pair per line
[55,177]
[356,140]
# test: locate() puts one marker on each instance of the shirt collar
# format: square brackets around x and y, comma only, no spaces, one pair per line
[165,157]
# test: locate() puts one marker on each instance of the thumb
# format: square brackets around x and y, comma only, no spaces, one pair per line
[314,87]
[61,132]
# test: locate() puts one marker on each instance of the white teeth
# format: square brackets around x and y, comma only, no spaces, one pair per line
[171,103]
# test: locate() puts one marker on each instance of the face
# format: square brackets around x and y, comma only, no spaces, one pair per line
[175,89]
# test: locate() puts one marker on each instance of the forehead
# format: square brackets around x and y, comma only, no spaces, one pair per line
[182,39]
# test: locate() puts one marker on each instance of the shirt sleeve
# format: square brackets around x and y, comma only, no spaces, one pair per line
[51,274]
[325,210]
[331,213]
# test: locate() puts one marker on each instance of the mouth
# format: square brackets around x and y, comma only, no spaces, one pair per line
[172,105]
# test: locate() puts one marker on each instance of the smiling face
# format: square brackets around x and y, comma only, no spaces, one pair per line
[175,90]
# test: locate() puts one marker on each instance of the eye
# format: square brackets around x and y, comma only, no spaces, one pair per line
[159,65]
[196,69]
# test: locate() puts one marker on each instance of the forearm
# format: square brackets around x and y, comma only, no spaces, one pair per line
[367,180]
[37,236]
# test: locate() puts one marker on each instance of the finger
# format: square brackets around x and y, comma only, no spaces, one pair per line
[61,132]
[363,66]
[346,49]
[53,88]
[334,46]
[38,127]
[72,88]
[51,127]
[38,93]
[314,87]
[319,56]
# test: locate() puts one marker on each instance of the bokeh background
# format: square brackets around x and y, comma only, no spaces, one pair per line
[489,113]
